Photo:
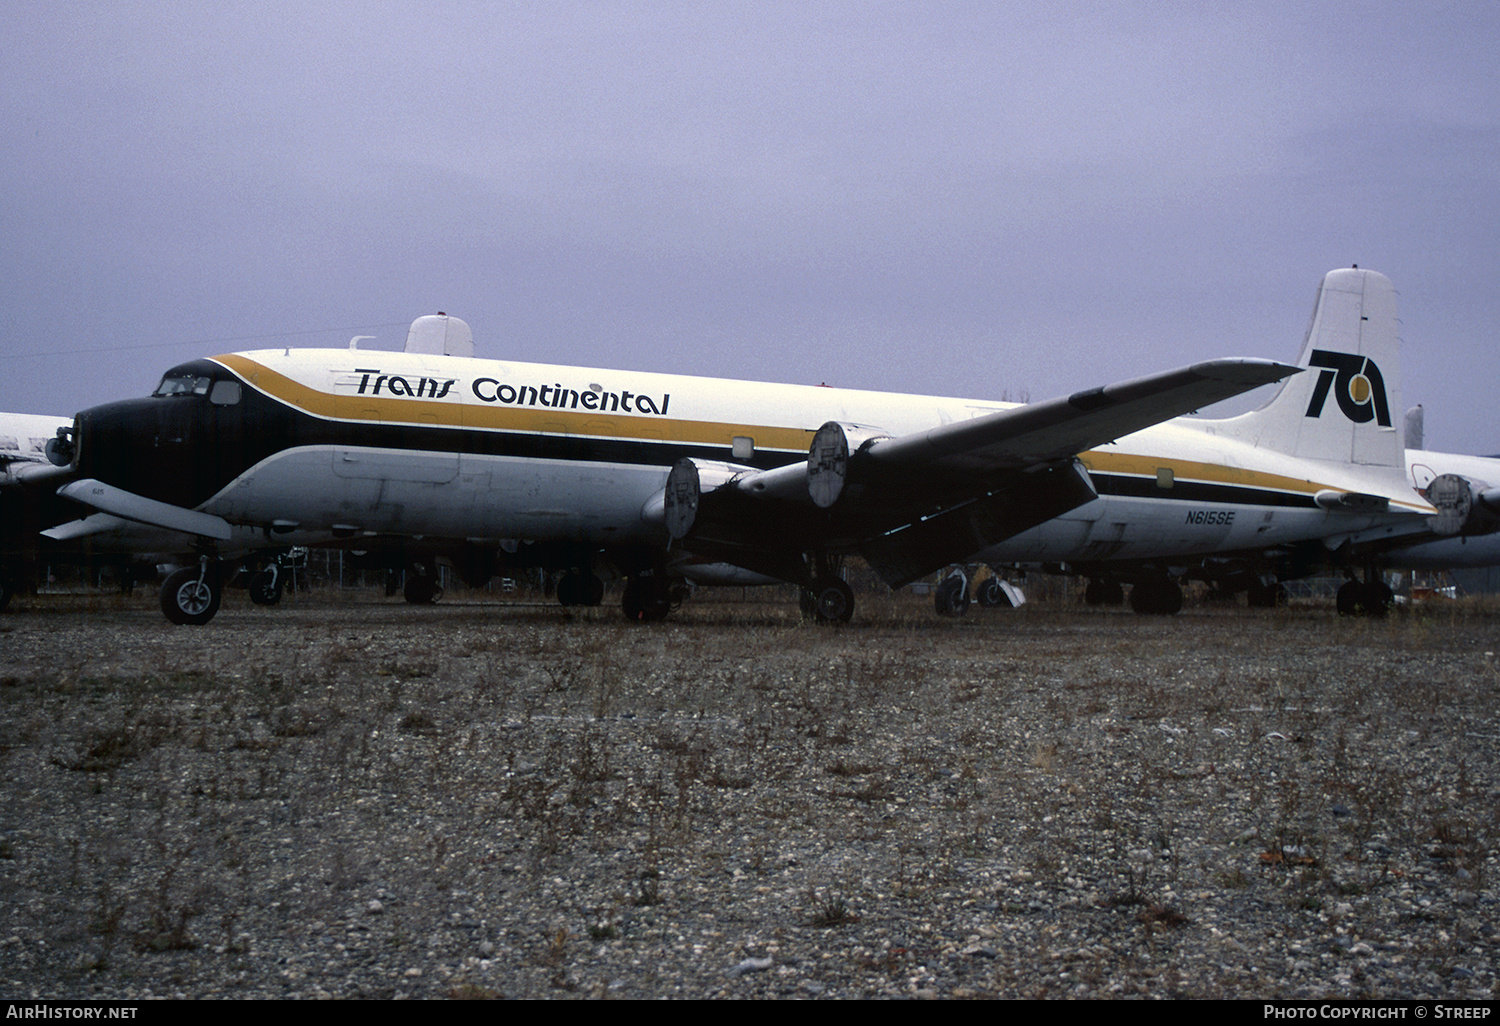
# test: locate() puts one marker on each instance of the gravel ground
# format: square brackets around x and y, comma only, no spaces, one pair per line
[362,799]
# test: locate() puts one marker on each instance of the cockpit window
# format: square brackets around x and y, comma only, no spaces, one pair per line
[183,384]
[224,393]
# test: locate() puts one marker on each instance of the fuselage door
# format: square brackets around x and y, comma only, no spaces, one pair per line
[390,428]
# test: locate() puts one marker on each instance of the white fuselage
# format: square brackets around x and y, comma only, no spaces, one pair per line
[578,454]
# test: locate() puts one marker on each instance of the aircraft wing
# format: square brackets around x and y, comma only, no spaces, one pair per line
[24,439]
[914,503]
[1059,428]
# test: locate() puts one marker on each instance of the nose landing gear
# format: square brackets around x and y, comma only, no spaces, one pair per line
[191,595]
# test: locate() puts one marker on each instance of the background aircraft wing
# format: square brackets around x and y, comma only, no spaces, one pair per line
[23,444]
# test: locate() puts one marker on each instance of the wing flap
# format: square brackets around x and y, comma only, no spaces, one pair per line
[1024,500]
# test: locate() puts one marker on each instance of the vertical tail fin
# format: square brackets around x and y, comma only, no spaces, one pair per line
[1346,407]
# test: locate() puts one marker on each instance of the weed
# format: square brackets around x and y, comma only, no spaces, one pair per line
[829,908]
[647,888]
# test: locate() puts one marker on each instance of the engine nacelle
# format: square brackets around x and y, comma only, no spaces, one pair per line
[1464,506]
[828,458]
[688,481]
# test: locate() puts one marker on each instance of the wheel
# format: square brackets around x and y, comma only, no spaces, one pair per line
[580,589]
[992,595]
[266,587]
[646,599]
[1266,596]
[1357,598]
[421,590]
[952,596]
[1156,598]
[191,596]
[1101,592]
[833,600]
[807,604]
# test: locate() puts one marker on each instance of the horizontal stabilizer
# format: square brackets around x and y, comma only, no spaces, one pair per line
[121,503]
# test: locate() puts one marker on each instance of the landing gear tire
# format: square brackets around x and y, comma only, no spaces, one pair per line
[830,599]
[580,589]
[992,595]
[421,590]
[191,596]
[807,604]
[1266,596]
[1156,598]
[1358,598]
[952,596]
[266,587]
[1099,592]
[646,599]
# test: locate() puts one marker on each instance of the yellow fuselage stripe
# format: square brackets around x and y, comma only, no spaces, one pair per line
[538,420]
[543,420]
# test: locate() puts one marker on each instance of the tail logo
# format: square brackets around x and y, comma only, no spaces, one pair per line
[1357,384]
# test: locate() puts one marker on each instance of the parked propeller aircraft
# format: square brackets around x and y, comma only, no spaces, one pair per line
[430,454]
[1325,452]
[1465,493]
[486,463]
[23,455]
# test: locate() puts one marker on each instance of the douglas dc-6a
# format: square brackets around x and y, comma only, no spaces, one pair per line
[430,454]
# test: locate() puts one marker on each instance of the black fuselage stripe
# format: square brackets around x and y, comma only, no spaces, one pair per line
[221,443]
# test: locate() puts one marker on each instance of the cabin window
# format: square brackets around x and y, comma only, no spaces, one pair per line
[1164,477]
[742,448]
[224,393]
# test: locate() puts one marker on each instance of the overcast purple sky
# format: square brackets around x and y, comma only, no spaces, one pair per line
[972,199]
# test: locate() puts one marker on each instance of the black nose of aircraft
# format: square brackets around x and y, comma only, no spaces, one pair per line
[151,447]
[176,446]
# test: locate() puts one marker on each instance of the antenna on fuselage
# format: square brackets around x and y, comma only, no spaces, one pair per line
[354,342]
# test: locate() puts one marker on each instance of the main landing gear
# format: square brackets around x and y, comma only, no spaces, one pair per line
[1266,596]
[580,588]
[648,598]
[1101,591]
[829,599]
[1157,597]
[1370,597]
[951,598]
[421,587]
